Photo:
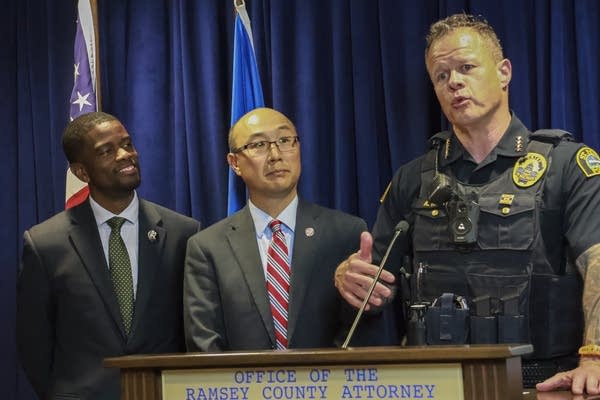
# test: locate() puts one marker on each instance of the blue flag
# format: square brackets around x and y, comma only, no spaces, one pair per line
[246,93]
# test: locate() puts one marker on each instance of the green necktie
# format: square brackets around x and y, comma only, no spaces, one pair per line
[120,271]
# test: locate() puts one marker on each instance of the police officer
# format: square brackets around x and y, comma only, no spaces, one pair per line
[496,213]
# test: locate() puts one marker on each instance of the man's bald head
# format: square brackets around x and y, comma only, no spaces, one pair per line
[257,121]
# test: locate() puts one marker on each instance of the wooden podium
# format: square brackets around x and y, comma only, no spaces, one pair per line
[481,372]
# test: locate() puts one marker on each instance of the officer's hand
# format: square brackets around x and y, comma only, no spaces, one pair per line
[583,379]
[354,276]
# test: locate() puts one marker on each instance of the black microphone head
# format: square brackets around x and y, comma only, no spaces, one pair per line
[402,226]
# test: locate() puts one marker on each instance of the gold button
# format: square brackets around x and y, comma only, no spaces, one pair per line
[505,210]
[435,213]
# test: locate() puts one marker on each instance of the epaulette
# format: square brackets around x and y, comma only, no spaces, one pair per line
[552,136]
[439,138]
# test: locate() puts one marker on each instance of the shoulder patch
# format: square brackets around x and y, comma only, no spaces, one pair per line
[588,161]
[529,169]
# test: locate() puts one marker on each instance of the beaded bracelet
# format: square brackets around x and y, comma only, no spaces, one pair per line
[589,350]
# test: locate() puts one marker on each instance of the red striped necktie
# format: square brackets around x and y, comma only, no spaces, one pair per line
[278,283]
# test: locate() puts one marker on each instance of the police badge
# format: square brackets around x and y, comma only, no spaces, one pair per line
[529,169]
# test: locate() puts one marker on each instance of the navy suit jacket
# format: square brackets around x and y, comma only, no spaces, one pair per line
[226,305]
[68,317]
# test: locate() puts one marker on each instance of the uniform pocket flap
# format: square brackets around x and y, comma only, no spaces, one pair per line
[493,204]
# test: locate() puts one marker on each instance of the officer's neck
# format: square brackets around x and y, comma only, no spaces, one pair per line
[480,139]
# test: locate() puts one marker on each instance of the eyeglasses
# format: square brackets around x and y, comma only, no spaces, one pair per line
[254,149]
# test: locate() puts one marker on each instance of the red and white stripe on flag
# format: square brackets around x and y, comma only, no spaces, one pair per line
[84,94]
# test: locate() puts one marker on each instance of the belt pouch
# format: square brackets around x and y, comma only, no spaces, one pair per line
[447,324]
[512,329]
[483,330]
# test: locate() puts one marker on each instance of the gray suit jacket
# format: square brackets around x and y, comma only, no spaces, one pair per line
[226,305]
[68,316]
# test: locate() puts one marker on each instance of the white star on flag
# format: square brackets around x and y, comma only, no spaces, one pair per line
[82,100]
[84,81]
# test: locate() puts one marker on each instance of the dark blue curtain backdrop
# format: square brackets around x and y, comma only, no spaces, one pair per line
[350,73]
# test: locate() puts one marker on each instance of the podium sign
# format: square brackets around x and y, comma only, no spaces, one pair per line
[415,381]
[470,372]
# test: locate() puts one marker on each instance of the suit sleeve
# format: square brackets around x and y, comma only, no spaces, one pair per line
[35,326]
[202,309]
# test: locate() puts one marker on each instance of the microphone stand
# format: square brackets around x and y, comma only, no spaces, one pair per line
[361,310]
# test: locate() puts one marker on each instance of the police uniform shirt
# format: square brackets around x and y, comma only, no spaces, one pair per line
[571,189]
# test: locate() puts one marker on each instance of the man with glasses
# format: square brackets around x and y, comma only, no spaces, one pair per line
[263,277]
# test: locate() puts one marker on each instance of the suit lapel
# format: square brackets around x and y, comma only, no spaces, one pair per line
[242,239]
[303,261]
[151,241]
[86,240]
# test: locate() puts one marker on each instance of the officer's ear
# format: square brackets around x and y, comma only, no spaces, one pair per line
[504,70]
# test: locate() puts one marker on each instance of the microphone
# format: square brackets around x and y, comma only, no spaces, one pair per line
[401,227]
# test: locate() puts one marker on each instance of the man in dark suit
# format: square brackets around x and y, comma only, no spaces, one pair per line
[228,304]
[70,313]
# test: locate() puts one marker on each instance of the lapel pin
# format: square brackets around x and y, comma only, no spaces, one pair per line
[152,235]
[309,232]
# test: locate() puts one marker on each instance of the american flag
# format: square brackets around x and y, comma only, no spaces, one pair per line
[83,96]
[246,93]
